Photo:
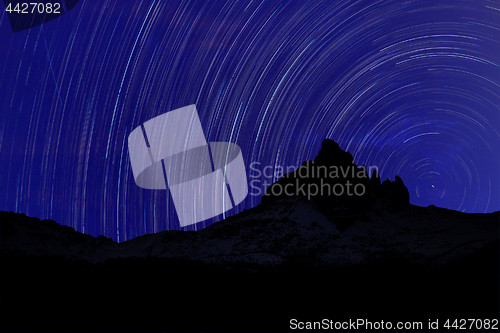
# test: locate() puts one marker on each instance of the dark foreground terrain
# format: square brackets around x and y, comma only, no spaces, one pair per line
[374,257]
[161,294]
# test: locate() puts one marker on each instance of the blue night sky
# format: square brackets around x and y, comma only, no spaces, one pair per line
[412,87]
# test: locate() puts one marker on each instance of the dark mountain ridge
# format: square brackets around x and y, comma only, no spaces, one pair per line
[371,255]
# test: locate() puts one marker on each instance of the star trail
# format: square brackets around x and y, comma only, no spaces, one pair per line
[412,87]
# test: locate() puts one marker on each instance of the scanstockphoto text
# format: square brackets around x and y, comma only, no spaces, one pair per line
[263,176]
[365,324]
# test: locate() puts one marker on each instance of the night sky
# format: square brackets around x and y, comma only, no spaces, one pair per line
[412,87]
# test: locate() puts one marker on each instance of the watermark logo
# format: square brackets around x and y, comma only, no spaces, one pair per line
[348,180]
[204,179]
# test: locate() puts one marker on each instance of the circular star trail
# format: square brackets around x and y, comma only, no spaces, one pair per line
[412,87]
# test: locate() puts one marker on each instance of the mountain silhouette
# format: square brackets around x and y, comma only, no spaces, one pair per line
[307,252]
